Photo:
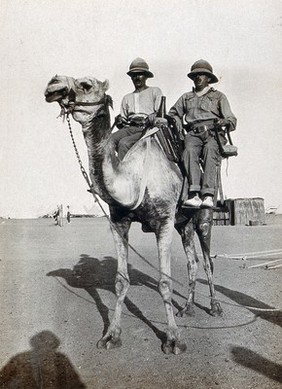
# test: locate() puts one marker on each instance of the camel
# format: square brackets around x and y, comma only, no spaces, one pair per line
[119,184]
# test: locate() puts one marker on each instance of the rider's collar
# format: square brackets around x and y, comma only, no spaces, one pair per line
[202,92]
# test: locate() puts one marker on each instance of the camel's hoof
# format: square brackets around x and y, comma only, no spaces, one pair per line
[216,309]
[179,348]
[186,311]
[109,343]
[174,347]
[167,348]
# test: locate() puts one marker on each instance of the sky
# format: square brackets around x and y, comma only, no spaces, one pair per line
[100,38]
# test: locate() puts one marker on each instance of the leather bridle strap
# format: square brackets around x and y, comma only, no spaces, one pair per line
[67,109]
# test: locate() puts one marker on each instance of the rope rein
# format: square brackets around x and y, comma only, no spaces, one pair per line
[83,171]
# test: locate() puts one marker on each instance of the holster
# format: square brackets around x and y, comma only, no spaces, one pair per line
[227,150]
[169,139]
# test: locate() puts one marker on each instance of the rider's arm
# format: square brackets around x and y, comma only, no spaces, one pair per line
[177,111]
[226,112]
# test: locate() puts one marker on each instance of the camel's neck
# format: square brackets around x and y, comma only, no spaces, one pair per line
[116,182]
[102,159]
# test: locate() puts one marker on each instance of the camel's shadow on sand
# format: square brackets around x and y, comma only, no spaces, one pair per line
[92,274]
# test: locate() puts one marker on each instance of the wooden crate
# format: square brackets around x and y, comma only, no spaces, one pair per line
[221,218]
[246,211]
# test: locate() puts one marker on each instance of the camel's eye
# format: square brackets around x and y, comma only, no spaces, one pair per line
[86,86]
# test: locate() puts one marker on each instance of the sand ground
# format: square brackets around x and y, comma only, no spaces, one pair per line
[56,298]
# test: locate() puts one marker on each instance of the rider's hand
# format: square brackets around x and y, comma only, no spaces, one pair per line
[222,123]
[120,121]
[149,121]
[160,122]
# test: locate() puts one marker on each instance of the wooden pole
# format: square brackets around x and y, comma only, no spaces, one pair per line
[273,267]
[265,263]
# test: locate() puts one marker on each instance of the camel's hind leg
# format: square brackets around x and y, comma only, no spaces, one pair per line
[120,233]
[164,240]
[203,227]
[186,231]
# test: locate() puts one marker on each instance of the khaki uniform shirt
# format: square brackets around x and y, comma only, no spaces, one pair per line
[144,103]
[194,109]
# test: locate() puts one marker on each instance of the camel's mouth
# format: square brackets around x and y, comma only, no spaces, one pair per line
[52,94]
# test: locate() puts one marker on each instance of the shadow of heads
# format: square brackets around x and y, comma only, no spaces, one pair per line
[92,274]
[249,302]
[41,367]
[254,361]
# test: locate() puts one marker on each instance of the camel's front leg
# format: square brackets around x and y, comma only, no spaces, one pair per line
[203,227]
[186,231]
[120,233]
[164,239]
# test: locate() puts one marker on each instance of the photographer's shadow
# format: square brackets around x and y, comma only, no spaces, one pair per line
[43,366]
[92,274]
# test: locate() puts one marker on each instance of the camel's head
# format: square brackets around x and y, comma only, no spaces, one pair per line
[80,96]
[58,89]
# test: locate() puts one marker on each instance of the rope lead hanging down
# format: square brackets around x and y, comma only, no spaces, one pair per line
[85,175]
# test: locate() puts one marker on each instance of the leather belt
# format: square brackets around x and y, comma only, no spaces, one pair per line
[137,120]
[134,124]
[199,128]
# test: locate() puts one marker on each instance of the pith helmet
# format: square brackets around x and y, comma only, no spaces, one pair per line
[139,65]
[202,66]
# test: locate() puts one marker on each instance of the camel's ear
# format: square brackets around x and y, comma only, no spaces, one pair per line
[85,82]
[106,85]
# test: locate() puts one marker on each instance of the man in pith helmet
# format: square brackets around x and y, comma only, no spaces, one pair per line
[135,107]
[196,114]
